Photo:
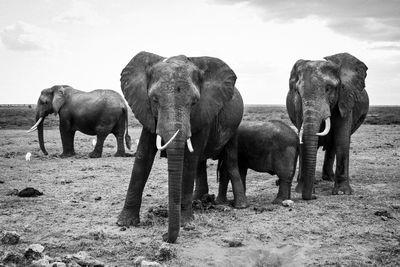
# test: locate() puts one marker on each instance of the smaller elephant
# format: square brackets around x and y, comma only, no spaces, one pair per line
[99,112]
[271,147]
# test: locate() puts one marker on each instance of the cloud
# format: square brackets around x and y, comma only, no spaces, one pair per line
[81,12]
[22,36]
[373,20]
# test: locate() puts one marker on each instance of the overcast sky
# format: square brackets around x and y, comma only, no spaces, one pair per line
[86,43]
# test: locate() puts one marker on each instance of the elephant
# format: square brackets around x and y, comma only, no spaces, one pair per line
[327,102]
[270,147]
[190,108]
[99,112]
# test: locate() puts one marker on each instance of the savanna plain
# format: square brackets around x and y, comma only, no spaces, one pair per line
[82,198]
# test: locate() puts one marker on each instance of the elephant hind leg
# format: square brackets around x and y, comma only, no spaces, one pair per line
[98,149]
[119,131]
[120,145]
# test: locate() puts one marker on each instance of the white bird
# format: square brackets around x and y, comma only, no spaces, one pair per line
[137,141]
[94,142]
[28,156]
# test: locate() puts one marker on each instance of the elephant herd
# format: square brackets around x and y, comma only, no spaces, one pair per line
[191,110]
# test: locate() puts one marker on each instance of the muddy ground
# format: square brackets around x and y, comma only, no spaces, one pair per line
[82,198]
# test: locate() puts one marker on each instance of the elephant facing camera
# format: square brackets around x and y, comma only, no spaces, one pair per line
[327,102]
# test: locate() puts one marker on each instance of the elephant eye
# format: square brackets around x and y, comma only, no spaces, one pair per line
[329,88]
[154,99]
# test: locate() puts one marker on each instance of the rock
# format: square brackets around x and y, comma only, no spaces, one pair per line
[63,181]
[233,242]
[165,252]
[145,263]
[10,238]
[29,192]
[138,261]
[1,182]
[288,203]
[59,264]
[384,213]
[97,198]
[34,252]
[12,192]
[84,259]
[43,262]
[12,258]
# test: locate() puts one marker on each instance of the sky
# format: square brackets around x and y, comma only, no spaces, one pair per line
[86,43]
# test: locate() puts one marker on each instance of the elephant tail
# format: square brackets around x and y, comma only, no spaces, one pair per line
[128,140]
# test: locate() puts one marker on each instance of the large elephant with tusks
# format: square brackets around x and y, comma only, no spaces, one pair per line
[188,106]
[327,102]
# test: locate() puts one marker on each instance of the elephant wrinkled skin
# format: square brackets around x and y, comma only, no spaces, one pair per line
[327,102]
[99,112]
[270,147]
[191,104]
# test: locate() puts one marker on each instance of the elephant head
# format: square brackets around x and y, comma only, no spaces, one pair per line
[175,98]
[50,101]
[317,89]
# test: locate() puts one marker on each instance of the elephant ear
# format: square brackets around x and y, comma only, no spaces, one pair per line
[216,89]
[134,83]
[293,99]
[294,74]
[352,77]
[58,98]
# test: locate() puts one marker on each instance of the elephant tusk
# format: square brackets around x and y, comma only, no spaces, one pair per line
[158,141]
[301,134]
[189,144]
[34,127]
[327,127]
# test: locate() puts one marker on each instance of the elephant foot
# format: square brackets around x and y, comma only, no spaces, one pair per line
[127,218]
[328,177]
[170,238]
[94,154]
[120,154]
[299,188]
[278,200]
[198,194]
[240,203]
[221,200]
[67,154]
[343,187]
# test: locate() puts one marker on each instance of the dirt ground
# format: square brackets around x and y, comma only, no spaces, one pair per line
[70,216]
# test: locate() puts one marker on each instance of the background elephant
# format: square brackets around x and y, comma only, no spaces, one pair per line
[327,102]
[193,106]
[271,147]
[99,112]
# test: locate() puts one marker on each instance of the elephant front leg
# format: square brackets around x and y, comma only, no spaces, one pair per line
[67,139]
[342,145]
[230,156]
[223,182]
[98,148]
[201,180]
[189,173]
[141,169]
[327,169]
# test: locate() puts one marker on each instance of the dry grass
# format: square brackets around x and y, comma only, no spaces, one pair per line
[330,231]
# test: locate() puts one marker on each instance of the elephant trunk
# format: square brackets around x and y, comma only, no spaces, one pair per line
[175,152]
[40,134]
[311,126]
